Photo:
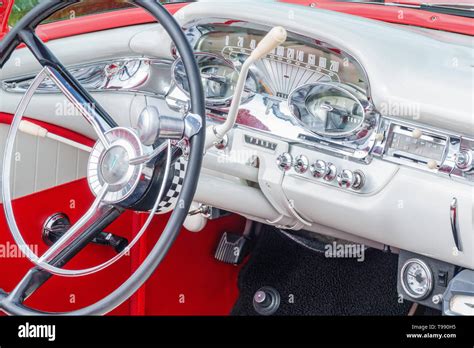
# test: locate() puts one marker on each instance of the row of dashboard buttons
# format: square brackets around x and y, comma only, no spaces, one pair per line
[322,170]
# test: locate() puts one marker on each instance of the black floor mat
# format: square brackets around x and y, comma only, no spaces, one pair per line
[316,284]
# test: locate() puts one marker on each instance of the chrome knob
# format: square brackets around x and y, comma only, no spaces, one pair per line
[331,172]
[151,126]
[348,179]
[301,164]
[345,178]
[284,161]
[463,160]
[319,169]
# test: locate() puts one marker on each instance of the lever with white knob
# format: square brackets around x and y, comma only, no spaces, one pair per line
[35,130]
[274,38]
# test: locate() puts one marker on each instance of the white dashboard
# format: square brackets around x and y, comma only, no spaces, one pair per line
[387,174]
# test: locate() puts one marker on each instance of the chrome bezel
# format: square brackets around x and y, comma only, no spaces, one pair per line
[446,165]
[301,105]
[214,102]
[429,281]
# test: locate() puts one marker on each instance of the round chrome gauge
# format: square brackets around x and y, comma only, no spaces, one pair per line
[416,279]
[219,78]
[111,166]
[329,109]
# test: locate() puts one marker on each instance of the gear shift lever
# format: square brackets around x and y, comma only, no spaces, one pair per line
[275,37]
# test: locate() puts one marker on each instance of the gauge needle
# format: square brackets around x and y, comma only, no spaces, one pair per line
[214,78]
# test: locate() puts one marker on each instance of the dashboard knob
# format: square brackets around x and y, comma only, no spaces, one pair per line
[417,133]
[301,164]
[349,179]
[284,161]
[345,178]
[319,169]
[331,172]
[432,164]
[463,160]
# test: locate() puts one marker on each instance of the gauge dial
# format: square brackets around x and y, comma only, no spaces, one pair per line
[330,109]
[337,113]
[416,279]
[296,62]
[219,78]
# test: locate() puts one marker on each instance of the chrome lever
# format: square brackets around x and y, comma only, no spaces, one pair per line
[149,156]
[454,222]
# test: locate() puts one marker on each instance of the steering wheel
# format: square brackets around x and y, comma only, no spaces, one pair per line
[127,168]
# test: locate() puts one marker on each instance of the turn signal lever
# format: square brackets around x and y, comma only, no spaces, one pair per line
[57,224]
[275,37]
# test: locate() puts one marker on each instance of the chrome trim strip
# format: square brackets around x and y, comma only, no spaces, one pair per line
[453,214]
[124,75]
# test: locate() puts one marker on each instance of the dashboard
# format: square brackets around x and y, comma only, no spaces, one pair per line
[340,131]
[315,94]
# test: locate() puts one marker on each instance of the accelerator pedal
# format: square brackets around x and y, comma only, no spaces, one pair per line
[232,248]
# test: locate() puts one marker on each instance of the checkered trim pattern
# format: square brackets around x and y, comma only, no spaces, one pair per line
[171,198]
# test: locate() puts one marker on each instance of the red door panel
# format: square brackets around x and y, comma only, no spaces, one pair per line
[61,293]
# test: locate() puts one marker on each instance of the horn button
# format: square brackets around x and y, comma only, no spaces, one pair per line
[114,165]
[126,182]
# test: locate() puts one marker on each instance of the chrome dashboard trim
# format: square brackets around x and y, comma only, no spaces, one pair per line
[453,214]
[454,143]
[364,104]
[149,77]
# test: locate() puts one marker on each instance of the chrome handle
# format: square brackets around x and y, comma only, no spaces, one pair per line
[454,222]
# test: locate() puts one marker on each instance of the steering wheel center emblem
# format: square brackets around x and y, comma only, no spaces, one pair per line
[114,165]
[111,166]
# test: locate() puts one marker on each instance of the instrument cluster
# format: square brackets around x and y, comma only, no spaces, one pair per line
[304,90]
[310,93]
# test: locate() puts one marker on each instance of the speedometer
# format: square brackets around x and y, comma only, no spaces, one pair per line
[295,63]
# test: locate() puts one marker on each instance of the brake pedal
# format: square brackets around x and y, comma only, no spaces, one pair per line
[232,248]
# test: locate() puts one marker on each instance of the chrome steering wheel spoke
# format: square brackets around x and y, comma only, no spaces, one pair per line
[92,111]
